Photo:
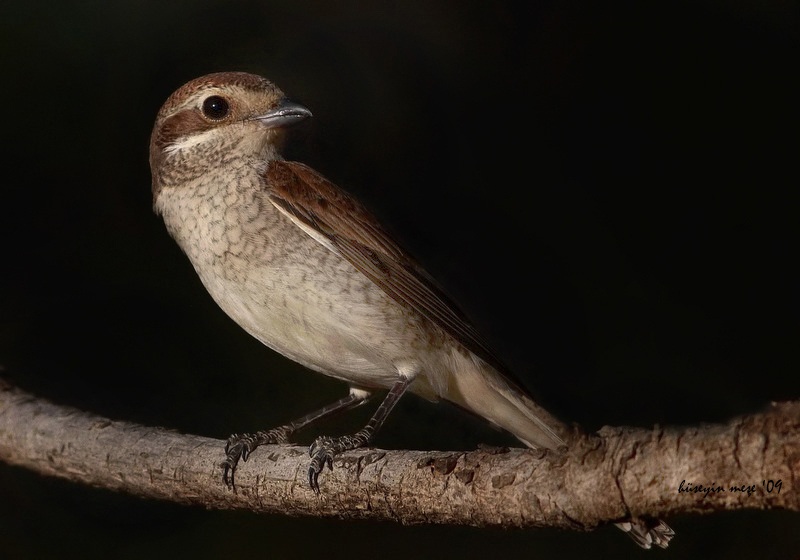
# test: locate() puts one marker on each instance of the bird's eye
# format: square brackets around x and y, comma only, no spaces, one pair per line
[216,108]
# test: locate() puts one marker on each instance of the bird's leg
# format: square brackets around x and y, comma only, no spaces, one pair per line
[240,446]
[324,448]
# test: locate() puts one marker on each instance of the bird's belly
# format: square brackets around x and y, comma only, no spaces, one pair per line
[323,314]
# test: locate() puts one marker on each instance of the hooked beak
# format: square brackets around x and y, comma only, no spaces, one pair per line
[286,113]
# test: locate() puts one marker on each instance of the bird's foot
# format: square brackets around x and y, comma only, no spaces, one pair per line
[648,532]
[240,446]
[325,448]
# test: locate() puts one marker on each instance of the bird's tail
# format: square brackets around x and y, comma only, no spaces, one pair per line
[483,390]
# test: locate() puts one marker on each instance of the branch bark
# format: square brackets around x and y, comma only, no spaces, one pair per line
[619,472]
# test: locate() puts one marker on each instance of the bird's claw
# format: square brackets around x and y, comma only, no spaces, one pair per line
[228,469]
[321,453]
[237,448]
[241,446]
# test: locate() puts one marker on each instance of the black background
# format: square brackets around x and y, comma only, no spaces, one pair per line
[610,190]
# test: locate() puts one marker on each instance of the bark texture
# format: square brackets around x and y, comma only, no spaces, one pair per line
[617,473]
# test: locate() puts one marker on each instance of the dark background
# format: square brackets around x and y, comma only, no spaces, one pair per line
[610,190]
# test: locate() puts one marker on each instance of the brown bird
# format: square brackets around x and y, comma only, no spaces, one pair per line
[307,270]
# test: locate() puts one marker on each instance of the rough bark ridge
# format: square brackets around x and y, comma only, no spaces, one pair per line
[605,477]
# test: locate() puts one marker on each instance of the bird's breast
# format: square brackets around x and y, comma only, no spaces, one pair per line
[285,288]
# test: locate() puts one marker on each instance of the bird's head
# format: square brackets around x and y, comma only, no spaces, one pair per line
[213,118]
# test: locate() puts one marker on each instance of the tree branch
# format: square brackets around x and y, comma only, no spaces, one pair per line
[617,473]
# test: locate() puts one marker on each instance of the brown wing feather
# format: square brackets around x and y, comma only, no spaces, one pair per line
[359,237]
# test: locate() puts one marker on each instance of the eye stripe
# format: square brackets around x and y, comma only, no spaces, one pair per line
[185,142]
[185,123]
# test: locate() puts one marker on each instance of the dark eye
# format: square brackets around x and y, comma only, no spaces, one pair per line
[215,107]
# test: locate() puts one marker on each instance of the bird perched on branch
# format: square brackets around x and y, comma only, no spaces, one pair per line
[303,267]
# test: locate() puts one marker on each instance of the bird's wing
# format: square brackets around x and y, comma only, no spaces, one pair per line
[340,222]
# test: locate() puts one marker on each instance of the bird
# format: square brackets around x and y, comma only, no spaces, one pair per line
[309,271]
